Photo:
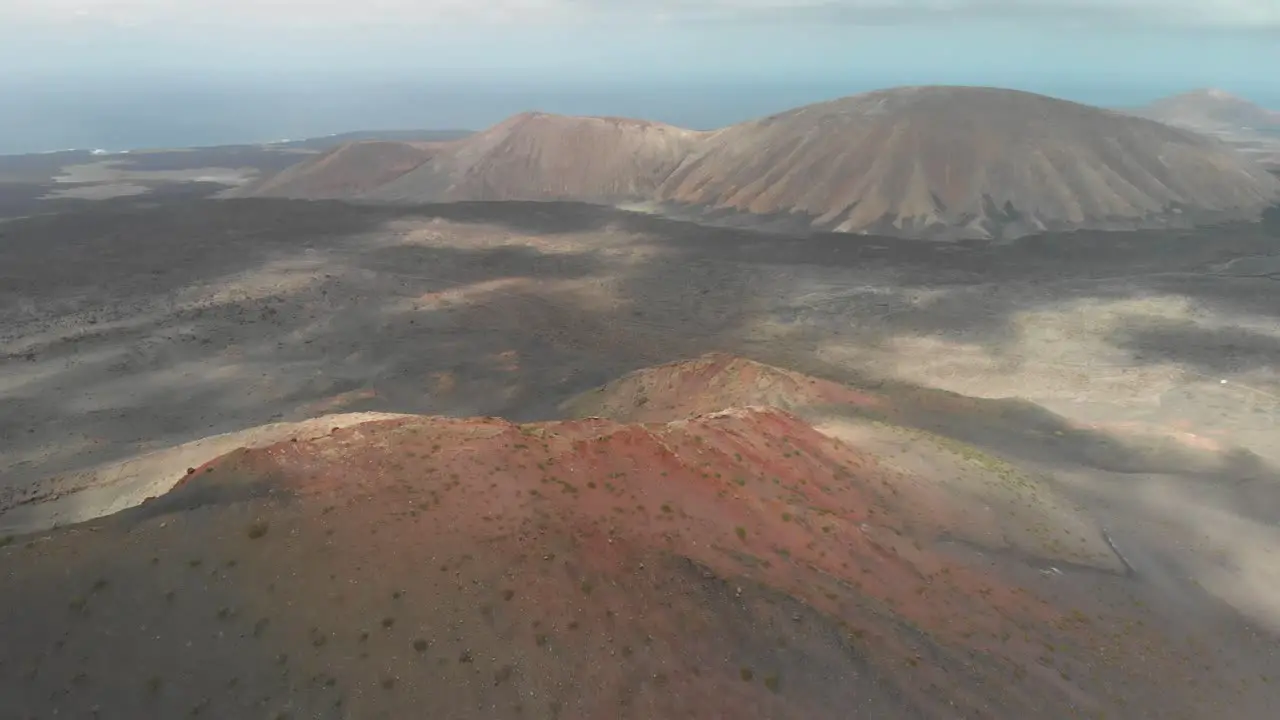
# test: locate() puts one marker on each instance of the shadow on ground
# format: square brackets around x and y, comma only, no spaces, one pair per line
[131,325]
[127,325]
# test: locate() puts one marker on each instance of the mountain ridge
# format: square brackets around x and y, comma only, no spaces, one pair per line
[1247,127]
[1211,106]
[938,162]
[737,560]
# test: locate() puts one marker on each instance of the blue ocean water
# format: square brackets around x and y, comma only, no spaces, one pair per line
[38,117]
[132,117]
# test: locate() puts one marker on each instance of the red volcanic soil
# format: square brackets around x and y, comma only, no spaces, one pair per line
[709,383]
[716,380]
[738,564]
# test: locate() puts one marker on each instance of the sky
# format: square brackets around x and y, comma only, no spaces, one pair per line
[766,53]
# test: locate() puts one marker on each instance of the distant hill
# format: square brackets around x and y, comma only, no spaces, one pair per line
[268,158]
[532,156]
[1249,128]
[410,136]
[977,162]
[933,162]
[538,156]
[346,170]
[1210,107]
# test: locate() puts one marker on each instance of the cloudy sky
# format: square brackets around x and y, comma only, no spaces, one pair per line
[141,73]
[1220,42]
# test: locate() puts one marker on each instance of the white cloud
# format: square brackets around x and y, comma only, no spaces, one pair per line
[281,13]
[1152,13]
[336,13]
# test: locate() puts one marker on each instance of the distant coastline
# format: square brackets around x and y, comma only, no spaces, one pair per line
[141,118]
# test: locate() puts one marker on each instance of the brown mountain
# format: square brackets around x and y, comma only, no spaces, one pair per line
[347,171]
[940,162]
[1250,129]
[966,161]
[532,156]
[1210,107]
[537,156]
[738,563]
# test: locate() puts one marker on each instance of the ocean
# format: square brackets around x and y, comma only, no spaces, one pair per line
[68,115]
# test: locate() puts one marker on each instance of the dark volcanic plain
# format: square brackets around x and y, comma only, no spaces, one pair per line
[70,179]
[1027,479]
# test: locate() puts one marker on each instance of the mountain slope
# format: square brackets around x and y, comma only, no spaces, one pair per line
[980,162]
[933,162]
[989,503]
[349,170]
[539,156]
[738,563]
[114,486]
[1250,129]
[1209,107]
[706,384]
